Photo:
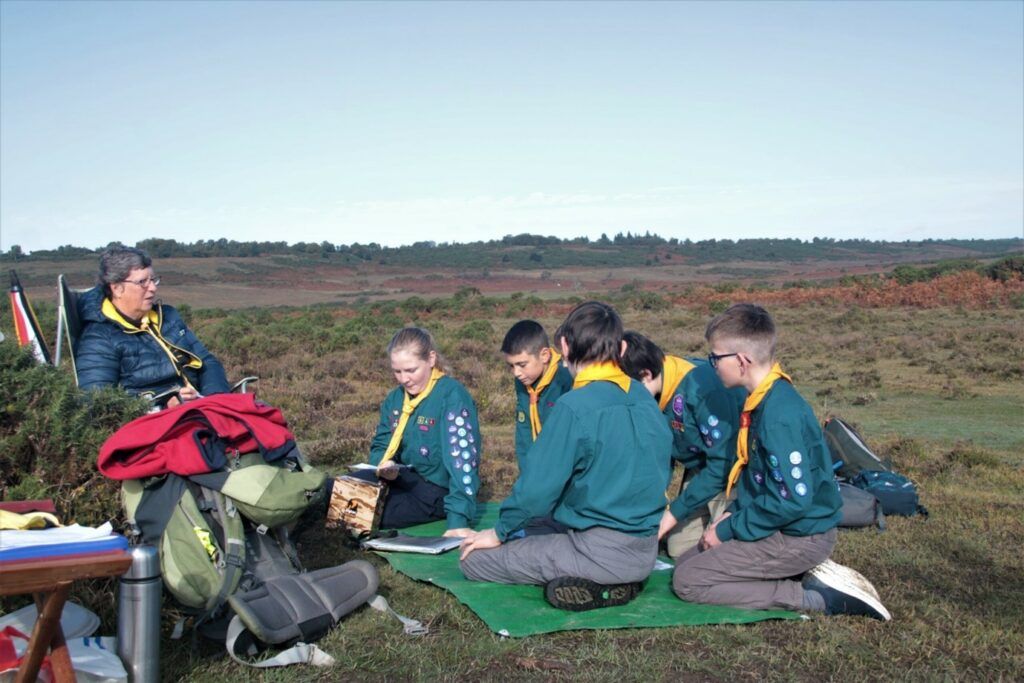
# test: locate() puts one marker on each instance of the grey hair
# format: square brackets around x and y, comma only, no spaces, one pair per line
[116,263]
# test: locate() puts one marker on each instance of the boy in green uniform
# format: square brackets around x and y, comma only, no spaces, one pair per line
[783,521]
[540,380]
[704,418]
[600,467]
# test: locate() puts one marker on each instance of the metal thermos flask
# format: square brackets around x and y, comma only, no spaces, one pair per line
[138,616]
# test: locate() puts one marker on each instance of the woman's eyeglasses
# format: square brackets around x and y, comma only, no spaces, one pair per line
[155,281]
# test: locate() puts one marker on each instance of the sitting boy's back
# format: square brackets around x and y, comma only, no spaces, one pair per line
[610,446]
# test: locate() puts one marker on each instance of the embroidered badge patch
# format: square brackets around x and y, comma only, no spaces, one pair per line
[783,491]
[773,461]
[466,479]
[521,416]
[716,434]
[463,443]
[776,475]
[796,473]
[712,420]
[466,467]
[758,477]
[795,458]
[450,416]
[459,421]
[469,491]
[801,489]
[677,405]
[424,451]
[704,430]
[677,426]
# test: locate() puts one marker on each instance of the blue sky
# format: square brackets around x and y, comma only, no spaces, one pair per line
[395,122]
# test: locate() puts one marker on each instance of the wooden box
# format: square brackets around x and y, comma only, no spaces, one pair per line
[356,505]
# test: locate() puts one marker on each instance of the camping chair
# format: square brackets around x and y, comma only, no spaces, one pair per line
[69,327]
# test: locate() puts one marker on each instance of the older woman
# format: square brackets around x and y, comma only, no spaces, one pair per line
[132,340]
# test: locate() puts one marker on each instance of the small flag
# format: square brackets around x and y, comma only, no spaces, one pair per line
[26,327]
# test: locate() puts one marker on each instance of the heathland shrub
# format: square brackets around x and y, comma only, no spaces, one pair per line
[50,434]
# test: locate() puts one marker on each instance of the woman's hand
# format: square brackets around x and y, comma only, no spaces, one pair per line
[488,538]
[461,532]
[388,472]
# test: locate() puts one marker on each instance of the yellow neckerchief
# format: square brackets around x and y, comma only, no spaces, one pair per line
[28,520]
[673,372]
[534,392]
[408,406]
[749,406]
[151,324]
[602,372]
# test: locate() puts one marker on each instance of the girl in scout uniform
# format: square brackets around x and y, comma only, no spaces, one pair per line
[704,417]
[428,443]
[783,521]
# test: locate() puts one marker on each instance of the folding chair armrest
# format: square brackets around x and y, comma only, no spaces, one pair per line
[242,385]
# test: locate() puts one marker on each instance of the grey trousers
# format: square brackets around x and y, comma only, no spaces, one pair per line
[599,554]
[751,574]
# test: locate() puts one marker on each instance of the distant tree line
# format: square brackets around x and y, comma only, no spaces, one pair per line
[538,251]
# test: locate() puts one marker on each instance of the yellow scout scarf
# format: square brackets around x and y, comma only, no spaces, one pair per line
[151,323]
[542,384]
[749,406]
[408,406]
[602,372]
[673,372]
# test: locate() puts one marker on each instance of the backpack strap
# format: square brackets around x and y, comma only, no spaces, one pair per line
[297,609]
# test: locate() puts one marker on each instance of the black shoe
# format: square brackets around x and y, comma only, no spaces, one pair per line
[578,595]
[845,591]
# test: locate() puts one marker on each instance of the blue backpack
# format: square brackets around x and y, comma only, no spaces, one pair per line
[896,493]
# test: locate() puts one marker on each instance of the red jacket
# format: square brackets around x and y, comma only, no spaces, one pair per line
[195,438]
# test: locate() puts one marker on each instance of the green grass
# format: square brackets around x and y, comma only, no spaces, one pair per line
[939,391]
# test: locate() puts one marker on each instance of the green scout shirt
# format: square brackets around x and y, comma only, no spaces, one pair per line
[704,418]
[602,459]
[560,384]
[787,484]
[441,442]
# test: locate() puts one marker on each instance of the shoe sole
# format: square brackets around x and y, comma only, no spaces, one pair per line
[850,582]
[578,595]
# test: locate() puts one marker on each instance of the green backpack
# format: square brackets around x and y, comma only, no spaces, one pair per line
[218,531]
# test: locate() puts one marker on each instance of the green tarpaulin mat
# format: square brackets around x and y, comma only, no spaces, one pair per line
[522,611]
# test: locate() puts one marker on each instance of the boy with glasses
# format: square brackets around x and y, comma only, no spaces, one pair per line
[783,521]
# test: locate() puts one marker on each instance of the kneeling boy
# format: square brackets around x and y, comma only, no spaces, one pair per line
[783,521]
[540,380]
[600,467]
[704,418]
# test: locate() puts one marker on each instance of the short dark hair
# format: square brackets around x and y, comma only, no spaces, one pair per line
[117,262]
[641,354]
[749,327]
[592,332]
[526,336]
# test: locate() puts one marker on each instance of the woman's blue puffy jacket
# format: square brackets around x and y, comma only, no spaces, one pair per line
[107,355]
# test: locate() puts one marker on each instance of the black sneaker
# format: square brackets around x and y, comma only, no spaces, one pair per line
[577,595]
[845,591]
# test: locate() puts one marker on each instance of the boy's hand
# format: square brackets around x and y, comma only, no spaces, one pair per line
[388,472]
[487,538]
[710,538]
[462,532]
[668,522]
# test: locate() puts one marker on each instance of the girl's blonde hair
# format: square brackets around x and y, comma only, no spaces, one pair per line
[420,342]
